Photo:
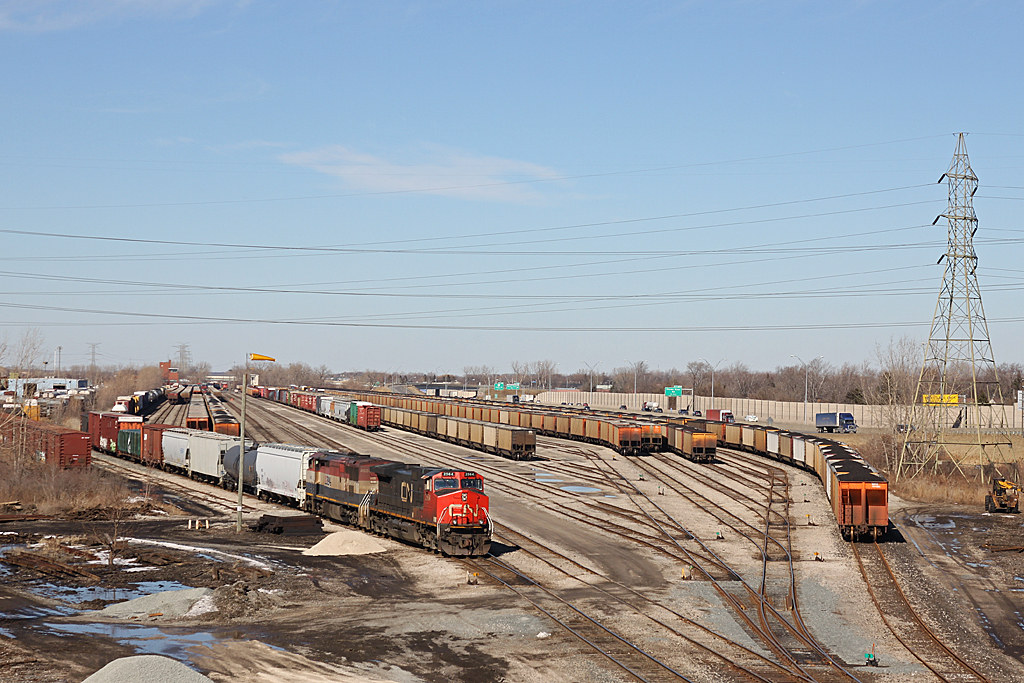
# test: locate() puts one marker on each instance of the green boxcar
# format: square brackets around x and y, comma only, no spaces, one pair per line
[129,442]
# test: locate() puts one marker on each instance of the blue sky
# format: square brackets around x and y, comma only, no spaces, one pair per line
[405,185]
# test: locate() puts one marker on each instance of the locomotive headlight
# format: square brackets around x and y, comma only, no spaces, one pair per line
[463,496]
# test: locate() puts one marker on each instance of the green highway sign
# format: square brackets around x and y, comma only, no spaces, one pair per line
[514,387]
[674,391]
[498,386]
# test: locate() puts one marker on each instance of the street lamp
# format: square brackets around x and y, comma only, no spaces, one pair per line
[241,434]
[636,368]
[806,373]
[591,367]
[713,368]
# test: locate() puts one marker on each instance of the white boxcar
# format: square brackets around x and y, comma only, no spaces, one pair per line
[339,409]
[206,454]
[281,472]
[175,445]
[324,405]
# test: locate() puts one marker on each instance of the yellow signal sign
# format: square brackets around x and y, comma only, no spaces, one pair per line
[940,399]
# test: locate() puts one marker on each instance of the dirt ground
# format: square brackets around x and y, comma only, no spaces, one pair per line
[402,614]
[278,613]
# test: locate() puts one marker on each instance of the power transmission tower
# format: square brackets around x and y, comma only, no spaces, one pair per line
[184,357]
[958,412]
[92,367]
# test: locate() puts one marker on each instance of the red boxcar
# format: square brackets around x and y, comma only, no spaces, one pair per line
[152,452]
[50,442]
[304,400]
[103,429]
[368,418]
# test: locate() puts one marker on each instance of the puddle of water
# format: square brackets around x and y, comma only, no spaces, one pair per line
[548,480]
[76,595]
[145,639]
[608,495]
[5,632]
[580,489]
[977,565]
[932,523]
[37,612]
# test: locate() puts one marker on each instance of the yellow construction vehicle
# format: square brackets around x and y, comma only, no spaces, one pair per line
[1005,497]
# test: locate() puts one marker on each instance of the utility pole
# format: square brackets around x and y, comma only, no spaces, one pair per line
[59,349]
[958,385]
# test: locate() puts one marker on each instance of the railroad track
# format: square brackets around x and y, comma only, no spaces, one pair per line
[608,592]
[907,625]
[631,527]
[791,642]
[623,653]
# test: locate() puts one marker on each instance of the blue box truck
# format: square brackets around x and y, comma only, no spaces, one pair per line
[835,422]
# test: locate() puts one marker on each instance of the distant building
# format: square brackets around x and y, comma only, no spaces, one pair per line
[30,387]
[170,374]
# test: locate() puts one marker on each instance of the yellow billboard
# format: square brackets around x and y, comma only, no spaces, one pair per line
[940,399]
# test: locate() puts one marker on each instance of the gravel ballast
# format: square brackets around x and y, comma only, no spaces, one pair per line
[146,669]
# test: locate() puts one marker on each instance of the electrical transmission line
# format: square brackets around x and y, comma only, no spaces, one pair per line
[957,413]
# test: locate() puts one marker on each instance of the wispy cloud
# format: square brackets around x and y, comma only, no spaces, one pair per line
[438,171]
[42,16]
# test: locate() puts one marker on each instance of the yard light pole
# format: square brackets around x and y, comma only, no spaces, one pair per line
[241,434]
[713,368]
[807,370]
[591,366]
[636,368]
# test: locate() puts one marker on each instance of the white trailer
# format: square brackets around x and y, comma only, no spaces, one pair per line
[281,472]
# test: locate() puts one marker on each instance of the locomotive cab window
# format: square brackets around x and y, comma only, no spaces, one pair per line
[476,484]
[446,484]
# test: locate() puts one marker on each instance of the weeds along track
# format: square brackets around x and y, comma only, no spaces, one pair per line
[906,624]
[206,494]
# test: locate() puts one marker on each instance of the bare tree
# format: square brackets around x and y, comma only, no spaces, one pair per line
[108,532]
[699,372]
[520,370]
[27,350]
[544,370]
[895,389]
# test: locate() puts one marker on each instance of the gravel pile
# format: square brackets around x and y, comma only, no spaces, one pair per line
[167,604]
[146,669]
[346,543]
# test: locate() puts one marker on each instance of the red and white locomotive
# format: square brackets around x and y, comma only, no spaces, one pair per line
[443,510]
